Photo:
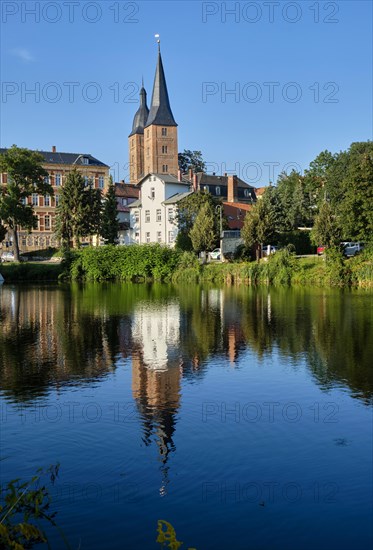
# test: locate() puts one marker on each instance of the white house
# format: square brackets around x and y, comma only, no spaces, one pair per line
[152,216]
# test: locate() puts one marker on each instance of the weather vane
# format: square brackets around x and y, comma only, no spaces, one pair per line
[158,40]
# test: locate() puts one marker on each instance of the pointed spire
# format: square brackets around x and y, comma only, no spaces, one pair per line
[141,115]
[160,109]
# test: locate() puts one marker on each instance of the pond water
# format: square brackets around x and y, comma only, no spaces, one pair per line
[242,416]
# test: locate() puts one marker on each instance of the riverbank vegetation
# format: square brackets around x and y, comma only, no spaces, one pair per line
[146,263]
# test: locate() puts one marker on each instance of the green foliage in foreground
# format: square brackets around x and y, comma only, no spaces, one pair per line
[167,536]
[23,505]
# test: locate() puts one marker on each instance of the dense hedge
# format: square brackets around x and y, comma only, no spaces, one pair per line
[125,263]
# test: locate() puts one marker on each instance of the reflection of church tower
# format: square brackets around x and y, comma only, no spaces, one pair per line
[157,395]
[156,376]
[153,143]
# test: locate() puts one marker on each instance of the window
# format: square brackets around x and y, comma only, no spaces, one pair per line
[85,160]
[47,200]
[171,214]
[86,181]
[159,236]
[24,201]
[57,180]
[35,201]
[171,237]
[46,179]
[124,202]
[147,132]
[164,149]
[152,193]
[159,215]
[206,188]
[136,214]
[147,151]
[165,168]
[147,216]
[217,190]
[57,199]
[47,222]
[147,237]
[164,131]
[137,237]
[101,182]
[247,193]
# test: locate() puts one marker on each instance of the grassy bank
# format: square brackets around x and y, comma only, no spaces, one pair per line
[158,263]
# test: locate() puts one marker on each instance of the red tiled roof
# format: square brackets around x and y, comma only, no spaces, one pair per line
[127,190]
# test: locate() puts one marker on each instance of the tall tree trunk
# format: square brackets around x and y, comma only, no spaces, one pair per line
[258,249]
[14,234]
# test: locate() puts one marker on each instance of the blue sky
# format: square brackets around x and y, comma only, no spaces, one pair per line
[300,72]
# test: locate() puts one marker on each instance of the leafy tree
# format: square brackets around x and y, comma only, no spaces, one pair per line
[191,159]
[93,199]
[264,222]
[326,230]
[26,176]
[187,213]
[109,220]
[356,206]
[203,234]
[78,212]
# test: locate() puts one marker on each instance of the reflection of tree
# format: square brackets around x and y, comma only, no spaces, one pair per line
[331,330]
[55,335]
[46,340]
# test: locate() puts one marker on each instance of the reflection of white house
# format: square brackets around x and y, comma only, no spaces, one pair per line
[156,329]
[152,216]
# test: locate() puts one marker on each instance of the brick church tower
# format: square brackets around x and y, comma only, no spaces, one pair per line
[153,141]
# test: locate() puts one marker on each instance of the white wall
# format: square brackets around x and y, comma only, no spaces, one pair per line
[153,231]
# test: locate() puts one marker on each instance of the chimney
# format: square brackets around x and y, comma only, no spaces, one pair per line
[232,189]
[195,182]
[190,173]
[53,148]
[179,175]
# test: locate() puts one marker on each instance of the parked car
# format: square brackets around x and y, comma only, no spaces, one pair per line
[272,249]
[351,248]
[215,254]
[320,250]
[7,257]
